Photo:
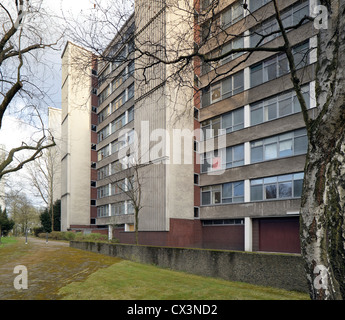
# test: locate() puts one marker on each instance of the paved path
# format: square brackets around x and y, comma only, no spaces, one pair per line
[50,266]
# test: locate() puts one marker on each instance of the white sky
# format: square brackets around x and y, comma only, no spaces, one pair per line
[13,131]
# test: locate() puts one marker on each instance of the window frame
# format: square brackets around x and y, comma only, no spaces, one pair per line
[274,181]
[262,105]
[216,194]
[277,140]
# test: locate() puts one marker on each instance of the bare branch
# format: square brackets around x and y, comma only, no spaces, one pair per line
[37,152]
[293,71]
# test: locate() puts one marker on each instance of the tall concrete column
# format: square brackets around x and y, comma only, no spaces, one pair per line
[110,232]
[248,234]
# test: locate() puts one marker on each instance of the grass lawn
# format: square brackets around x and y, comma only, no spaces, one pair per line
[128,280]
[7,240]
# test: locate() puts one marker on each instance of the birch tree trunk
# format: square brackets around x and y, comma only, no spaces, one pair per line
[323,199]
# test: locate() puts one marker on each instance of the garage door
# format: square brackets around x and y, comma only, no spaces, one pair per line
[279,235]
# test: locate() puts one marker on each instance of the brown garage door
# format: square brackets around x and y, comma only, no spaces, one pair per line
[279,235]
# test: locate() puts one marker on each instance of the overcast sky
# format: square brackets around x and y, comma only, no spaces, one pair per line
[13,131]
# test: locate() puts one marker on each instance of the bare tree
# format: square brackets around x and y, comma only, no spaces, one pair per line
[23,213]
[322,207]
[22,37]
[42,175]
[132,186]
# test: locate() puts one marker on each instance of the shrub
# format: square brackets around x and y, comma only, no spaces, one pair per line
[42,235]
[69,235]
[38,230]
[91,237]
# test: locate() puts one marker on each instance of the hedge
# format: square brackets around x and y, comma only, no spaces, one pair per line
[78,236]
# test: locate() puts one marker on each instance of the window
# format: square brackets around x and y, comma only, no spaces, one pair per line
[103,172]
[103,134]
[211,161]
[216,93]
[196,179]
[232,14]
[300,145]
[119,101]
[256,4]
[205,97]
[269,28]
[279,187]
[118,144]
[210,128]
[229,157]
[283,145]
[236,43]
[130,114]
[118,123]
[211,195]
[210,28]
[232,85]
[104,95]
[232,192]
[300,54]
[196,212]
[116,166]
[233,121]
[103,211]
[234,156]
[104,152]
[130,69]
[102,192]
[277,106]
[224,89]
[228,122]
[205,4]
[118,208]
[130,92]
[130,208]
[220,222]
[119,58]
[103,114]
[130,137]
[131,46]
[118,187]
[277,65]
[103,75]
[118,80]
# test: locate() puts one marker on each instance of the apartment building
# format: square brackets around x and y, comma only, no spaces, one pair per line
[78,139]
[138,99]
[242,188]
[115,128]
[254,204]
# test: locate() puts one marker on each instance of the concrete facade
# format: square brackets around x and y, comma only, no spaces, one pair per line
[255,215]
[76,137]
[242,185]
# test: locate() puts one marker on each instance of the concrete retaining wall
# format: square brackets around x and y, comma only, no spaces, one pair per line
[275,270]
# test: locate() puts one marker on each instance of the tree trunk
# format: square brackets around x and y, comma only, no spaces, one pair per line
[136,223]
[323,199]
